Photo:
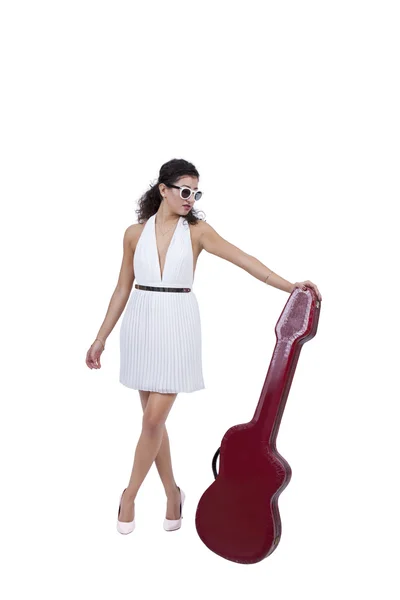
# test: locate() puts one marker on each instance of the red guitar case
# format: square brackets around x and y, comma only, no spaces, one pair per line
[237,517]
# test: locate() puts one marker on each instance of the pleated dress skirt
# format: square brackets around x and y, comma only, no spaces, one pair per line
[160,334]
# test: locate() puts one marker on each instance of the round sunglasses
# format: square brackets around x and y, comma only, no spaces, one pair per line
[185,191]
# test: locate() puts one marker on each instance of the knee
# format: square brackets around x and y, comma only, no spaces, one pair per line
[152,423]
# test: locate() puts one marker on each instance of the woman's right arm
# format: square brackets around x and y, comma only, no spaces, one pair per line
[119,297]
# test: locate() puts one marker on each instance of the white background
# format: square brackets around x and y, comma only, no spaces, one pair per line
[290,112]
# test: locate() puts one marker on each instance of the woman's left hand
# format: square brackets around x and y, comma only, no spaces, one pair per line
[304,284]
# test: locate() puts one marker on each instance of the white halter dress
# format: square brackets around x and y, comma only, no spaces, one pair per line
[160,334]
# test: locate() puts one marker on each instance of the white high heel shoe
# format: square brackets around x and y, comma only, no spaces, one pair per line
[172,524]
[124,526]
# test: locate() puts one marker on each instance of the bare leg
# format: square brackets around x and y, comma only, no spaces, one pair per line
[164,468]
[150,440]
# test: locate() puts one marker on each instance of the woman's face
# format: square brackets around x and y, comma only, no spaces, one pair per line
[172,195]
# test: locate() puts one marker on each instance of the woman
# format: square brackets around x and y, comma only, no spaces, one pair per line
[160,336]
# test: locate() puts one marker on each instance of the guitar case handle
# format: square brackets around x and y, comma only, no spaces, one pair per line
[214,463]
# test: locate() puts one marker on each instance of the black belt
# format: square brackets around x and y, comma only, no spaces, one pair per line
[161,289]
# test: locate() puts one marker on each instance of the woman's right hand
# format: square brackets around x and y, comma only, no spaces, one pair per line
[93,355]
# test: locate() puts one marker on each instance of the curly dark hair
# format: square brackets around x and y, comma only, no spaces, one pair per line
[170,172]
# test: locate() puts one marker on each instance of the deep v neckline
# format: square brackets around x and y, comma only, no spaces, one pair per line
[168,249]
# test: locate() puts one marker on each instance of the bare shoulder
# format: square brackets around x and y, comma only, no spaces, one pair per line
[132,234]
[214,243]
[201,228]
[205,232]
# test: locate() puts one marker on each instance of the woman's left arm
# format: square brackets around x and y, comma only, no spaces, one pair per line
[212,242]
